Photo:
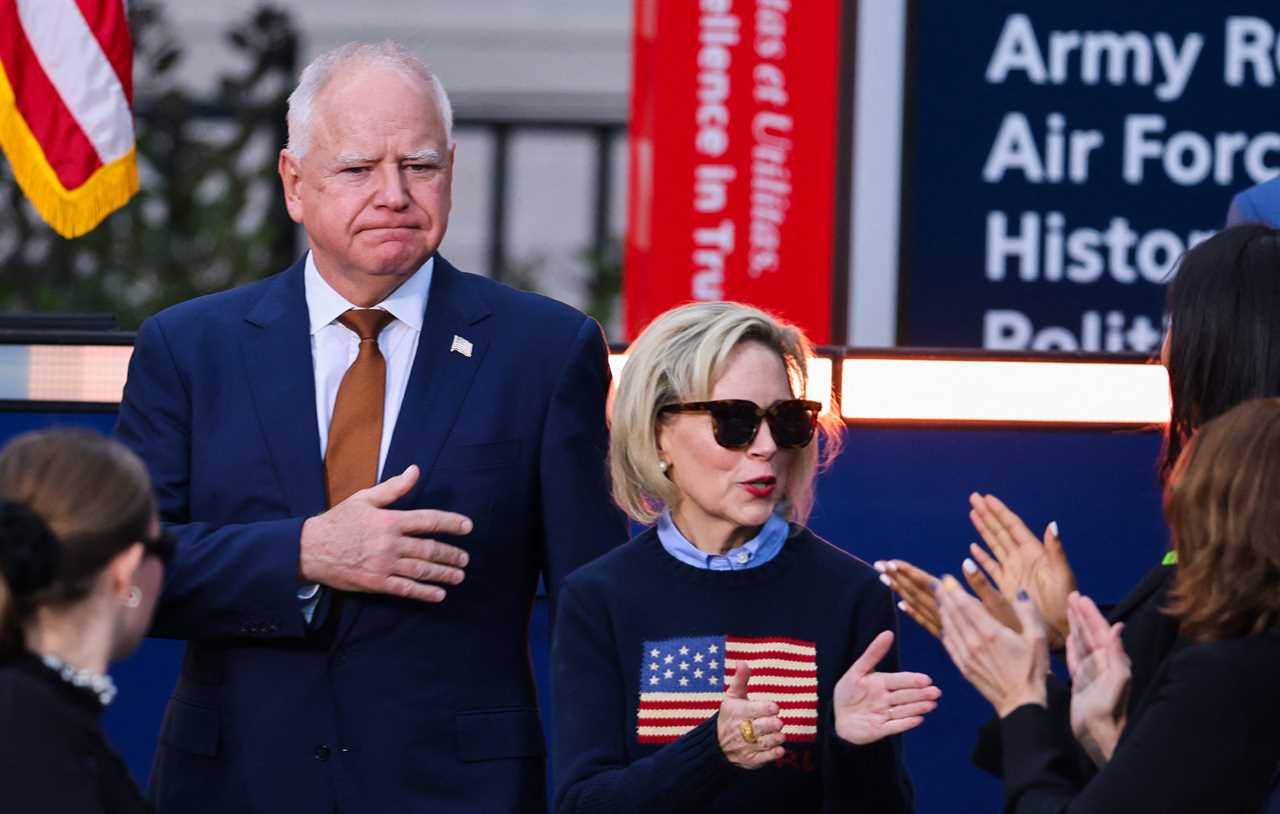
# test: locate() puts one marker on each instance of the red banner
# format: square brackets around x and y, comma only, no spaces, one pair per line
[735,177]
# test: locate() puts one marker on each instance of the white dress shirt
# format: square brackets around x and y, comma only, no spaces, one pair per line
[334,347]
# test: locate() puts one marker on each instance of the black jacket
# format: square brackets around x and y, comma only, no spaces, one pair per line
[1149,637]
[53,756]
[1205,737]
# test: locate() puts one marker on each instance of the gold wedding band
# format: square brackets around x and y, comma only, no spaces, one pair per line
[748,731]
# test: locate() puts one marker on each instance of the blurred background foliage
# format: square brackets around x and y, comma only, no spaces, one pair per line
[209,214]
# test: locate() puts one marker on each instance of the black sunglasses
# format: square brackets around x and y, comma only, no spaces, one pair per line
[163,546]
[735,422]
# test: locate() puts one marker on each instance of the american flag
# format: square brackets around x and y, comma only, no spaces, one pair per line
[682,682]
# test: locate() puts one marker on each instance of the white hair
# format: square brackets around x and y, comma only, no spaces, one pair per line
[387,54]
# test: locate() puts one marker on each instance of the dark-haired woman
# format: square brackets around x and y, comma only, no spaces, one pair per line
[1206,735]
[1223,347]
[81,565]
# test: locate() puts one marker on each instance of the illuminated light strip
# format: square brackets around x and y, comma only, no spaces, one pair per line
[820,371]
[896,389]
[84,373]
[952,390]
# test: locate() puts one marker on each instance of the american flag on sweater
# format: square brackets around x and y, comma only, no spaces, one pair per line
[682,682]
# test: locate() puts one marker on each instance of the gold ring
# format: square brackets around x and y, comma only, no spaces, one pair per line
[748,731]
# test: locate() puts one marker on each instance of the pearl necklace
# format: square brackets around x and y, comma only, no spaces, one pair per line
[101,685]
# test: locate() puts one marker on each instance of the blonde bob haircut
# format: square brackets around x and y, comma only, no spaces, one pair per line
[679,357]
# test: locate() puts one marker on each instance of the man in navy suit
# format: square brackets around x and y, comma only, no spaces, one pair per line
[366,652]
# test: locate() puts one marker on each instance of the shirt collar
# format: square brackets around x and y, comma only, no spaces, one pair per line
[758,550]
[407,303]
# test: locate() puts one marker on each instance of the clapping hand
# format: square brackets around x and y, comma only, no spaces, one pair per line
[915,586]
[361,545]
[1006,666]
[1099,678]
[750,732]
[870,705]
[1019,561]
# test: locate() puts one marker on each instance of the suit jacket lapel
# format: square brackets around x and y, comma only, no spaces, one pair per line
[437,387]
[441,376]
[276,347]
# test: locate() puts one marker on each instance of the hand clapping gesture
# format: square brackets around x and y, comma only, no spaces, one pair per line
[870,705]
[1099,678]
[1007,667]
[1019,561]
[915,586]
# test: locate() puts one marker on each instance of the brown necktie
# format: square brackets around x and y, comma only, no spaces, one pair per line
[355,430]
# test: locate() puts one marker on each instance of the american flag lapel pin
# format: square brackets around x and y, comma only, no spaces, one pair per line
[460,345]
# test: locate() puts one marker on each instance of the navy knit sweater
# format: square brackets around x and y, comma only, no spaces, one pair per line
[638,671]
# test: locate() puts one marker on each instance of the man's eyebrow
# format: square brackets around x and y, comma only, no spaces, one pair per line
[353,158]
[426,156]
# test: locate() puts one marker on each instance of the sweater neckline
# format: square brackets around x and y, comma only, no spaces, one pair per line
[706,579]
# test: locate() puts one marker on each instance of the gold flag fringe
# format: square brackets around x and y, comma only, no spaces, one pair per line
[70,212]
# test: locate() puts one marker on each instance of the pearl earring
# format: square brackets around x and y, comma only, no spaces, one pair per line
[664,466]
[135,597]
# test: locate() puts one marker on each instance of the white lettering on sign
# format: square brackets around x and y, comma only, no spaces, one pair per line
[1065,155]
[1189,158]
[1043,249]
[1252,52]
[717,34]
[1128,57]
[771,129]
[1009,329]
[711,246]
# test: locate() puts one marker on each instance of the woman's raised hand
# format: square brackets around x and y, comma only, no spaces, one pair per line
[1099,678]
[915,586]
[750,732]
[1006,666]
[1019,561]
[870,705]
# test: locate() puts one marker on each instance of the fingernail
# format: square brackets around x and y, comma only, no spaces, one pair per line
[893,566]
[467,525]
[941,632]
[885,579]
[969,566]
[902,606]
[1053,529]
[1023,597]
[878,565]
[936,586]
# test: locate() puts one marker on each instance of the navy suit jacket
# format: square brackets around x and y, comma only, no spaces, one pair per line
[394,705]
[1259,203]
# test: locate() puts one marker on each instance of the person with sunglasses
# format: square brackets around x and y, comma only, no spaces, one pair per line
[82,559]
[727,658]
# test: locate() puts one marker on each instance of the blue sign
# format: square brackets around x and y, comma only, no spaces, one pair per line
[1060,157]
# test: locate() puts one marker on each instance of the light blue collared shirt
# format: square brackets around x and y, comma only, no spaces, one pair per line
[756,551]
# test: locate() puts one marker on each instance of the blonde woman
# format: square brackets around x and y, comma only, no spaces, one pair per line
[726,658]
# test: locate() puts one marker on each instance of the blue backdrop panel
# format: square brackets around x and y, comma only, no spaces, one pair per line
[892,493]
[1159,149]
